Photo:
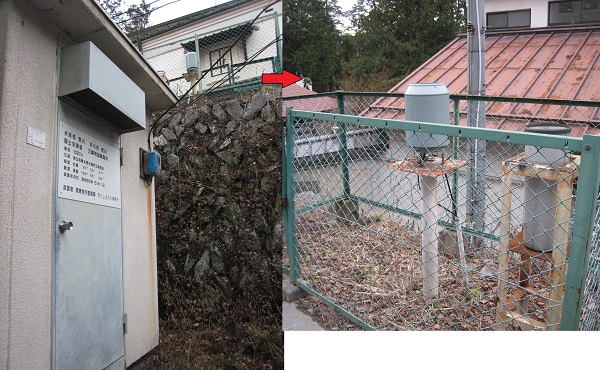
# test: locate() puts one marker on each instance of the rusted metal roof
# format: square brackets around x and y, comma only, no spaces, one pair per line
[318,104]
[552,63]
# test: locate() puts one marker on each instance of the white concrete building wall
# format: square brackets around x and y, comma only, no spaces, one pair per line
[29,51]
[139,251]
[170,57]
[26,196]
[539,9]
[243,13]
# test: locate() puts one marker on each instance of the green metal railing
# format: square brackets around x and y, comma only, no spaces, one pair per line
[353,169]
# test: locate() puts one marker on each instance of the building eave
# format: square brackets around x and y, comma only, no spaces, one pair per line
[84,20]
[173,24]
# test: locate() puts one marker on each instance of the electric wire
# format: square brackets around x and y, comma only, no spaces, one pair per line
[127,11]
[154,126]
[225,79]
[147,13]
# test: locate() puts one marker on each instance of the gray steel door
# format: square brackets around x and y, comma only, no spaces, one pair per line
[88,258]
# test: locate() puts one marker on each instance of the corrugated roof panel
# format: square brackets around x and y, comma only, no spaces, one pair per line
[538,63]
[542,56]
[585,57]
[593,131]
[515,85]
[594,39]
[567,86]
[319,104]
[541,86]
[562,57]
[579,130]
[456,81]
[388,114]
[511,125]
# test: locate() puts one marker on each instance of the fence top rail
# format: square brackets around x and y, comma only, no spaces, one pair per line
[513,137]
[504,99]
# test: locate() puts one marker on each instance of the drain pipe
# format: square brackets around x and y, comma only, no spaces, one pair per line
[476,117]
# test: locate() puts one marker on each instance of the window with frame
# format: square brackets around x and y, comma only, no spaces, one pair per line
[570,12]
[509,19]
[224,58]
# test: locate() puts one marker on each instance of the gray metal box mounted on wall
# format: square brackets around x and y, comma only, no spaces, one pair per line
[92,81]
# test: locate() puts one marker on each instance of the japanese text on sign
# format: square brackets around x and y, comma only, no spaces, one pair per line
[89,169]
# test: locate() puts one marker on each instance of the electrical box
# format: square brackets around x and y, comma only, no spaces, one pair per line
[149,164]
[91,81]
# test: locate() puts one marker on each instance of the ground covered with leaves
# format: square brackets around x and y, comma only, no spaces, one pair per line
[373,270]
[193,336]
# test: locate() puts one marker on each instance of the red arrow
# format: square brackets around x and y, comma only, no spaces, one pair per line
[286,78]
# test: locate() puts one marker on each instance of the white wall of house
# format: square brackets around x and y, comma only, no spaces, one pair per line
[539,9]
[29,48]
[165,53]
[242,13]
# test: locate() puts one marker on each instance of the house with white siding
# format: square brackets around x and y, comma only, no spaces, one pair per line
[228,46]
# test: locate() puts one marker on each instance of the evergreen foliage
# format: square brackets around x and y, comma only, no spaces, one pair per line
[135,17]
[312,41]
[387,39]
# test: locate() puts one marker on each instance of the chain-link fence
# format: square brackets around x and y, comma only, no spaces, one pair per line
[231,58]
[475,232]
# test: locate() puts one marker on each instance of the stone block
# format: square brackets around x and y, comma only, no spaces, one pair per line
[448,244]
[290,292]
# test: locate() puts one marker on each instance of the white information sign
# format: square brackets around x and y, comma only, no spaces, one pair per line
[89,169]
[36,137]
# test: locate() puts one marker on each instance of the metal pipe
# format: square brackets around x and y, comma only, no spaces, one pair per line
[429,240]
[476,116]
[344,148]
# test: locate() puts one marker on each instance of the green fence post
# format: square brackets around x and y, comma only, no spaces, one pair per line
[279,44]
[198,60]
[284,196]
[343,146]
[583,225]
[290,226]
[230,74]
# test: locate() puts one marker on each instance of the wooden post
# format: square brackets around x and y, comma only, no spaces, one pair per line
[559,254]
[506,201]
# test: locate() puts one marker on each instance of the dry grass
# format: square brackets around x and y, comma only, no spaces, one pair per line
[196,334]
[374,272]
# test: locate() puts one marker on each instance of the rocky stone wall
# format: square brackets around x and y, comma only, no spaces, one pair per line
[218,210]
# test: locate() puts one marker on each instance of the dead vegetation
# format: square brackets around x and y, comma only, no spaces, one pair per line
[374,272]
[232,335]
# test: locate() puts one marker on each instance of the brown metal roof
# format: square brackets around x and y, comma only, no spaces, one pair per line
[556,63]
[318,104]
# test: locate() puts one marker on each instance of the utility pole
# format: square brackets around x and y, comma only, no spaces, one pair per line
[476,182]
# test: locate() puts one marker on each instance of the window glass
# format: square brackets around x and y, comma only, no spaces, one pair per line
[221,66]
[518,18]
[568,12]
[497,20]
[590,11]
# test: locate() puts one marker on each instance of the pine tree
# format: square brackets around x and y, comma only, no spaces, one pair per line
[312,41]
[394,37]
[130,19]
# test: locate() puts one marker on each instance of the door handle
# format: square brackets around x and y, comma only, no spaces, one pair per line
[64,226]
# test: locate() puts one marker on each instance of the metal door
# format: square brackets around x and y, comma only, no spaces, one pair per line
[88,257]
